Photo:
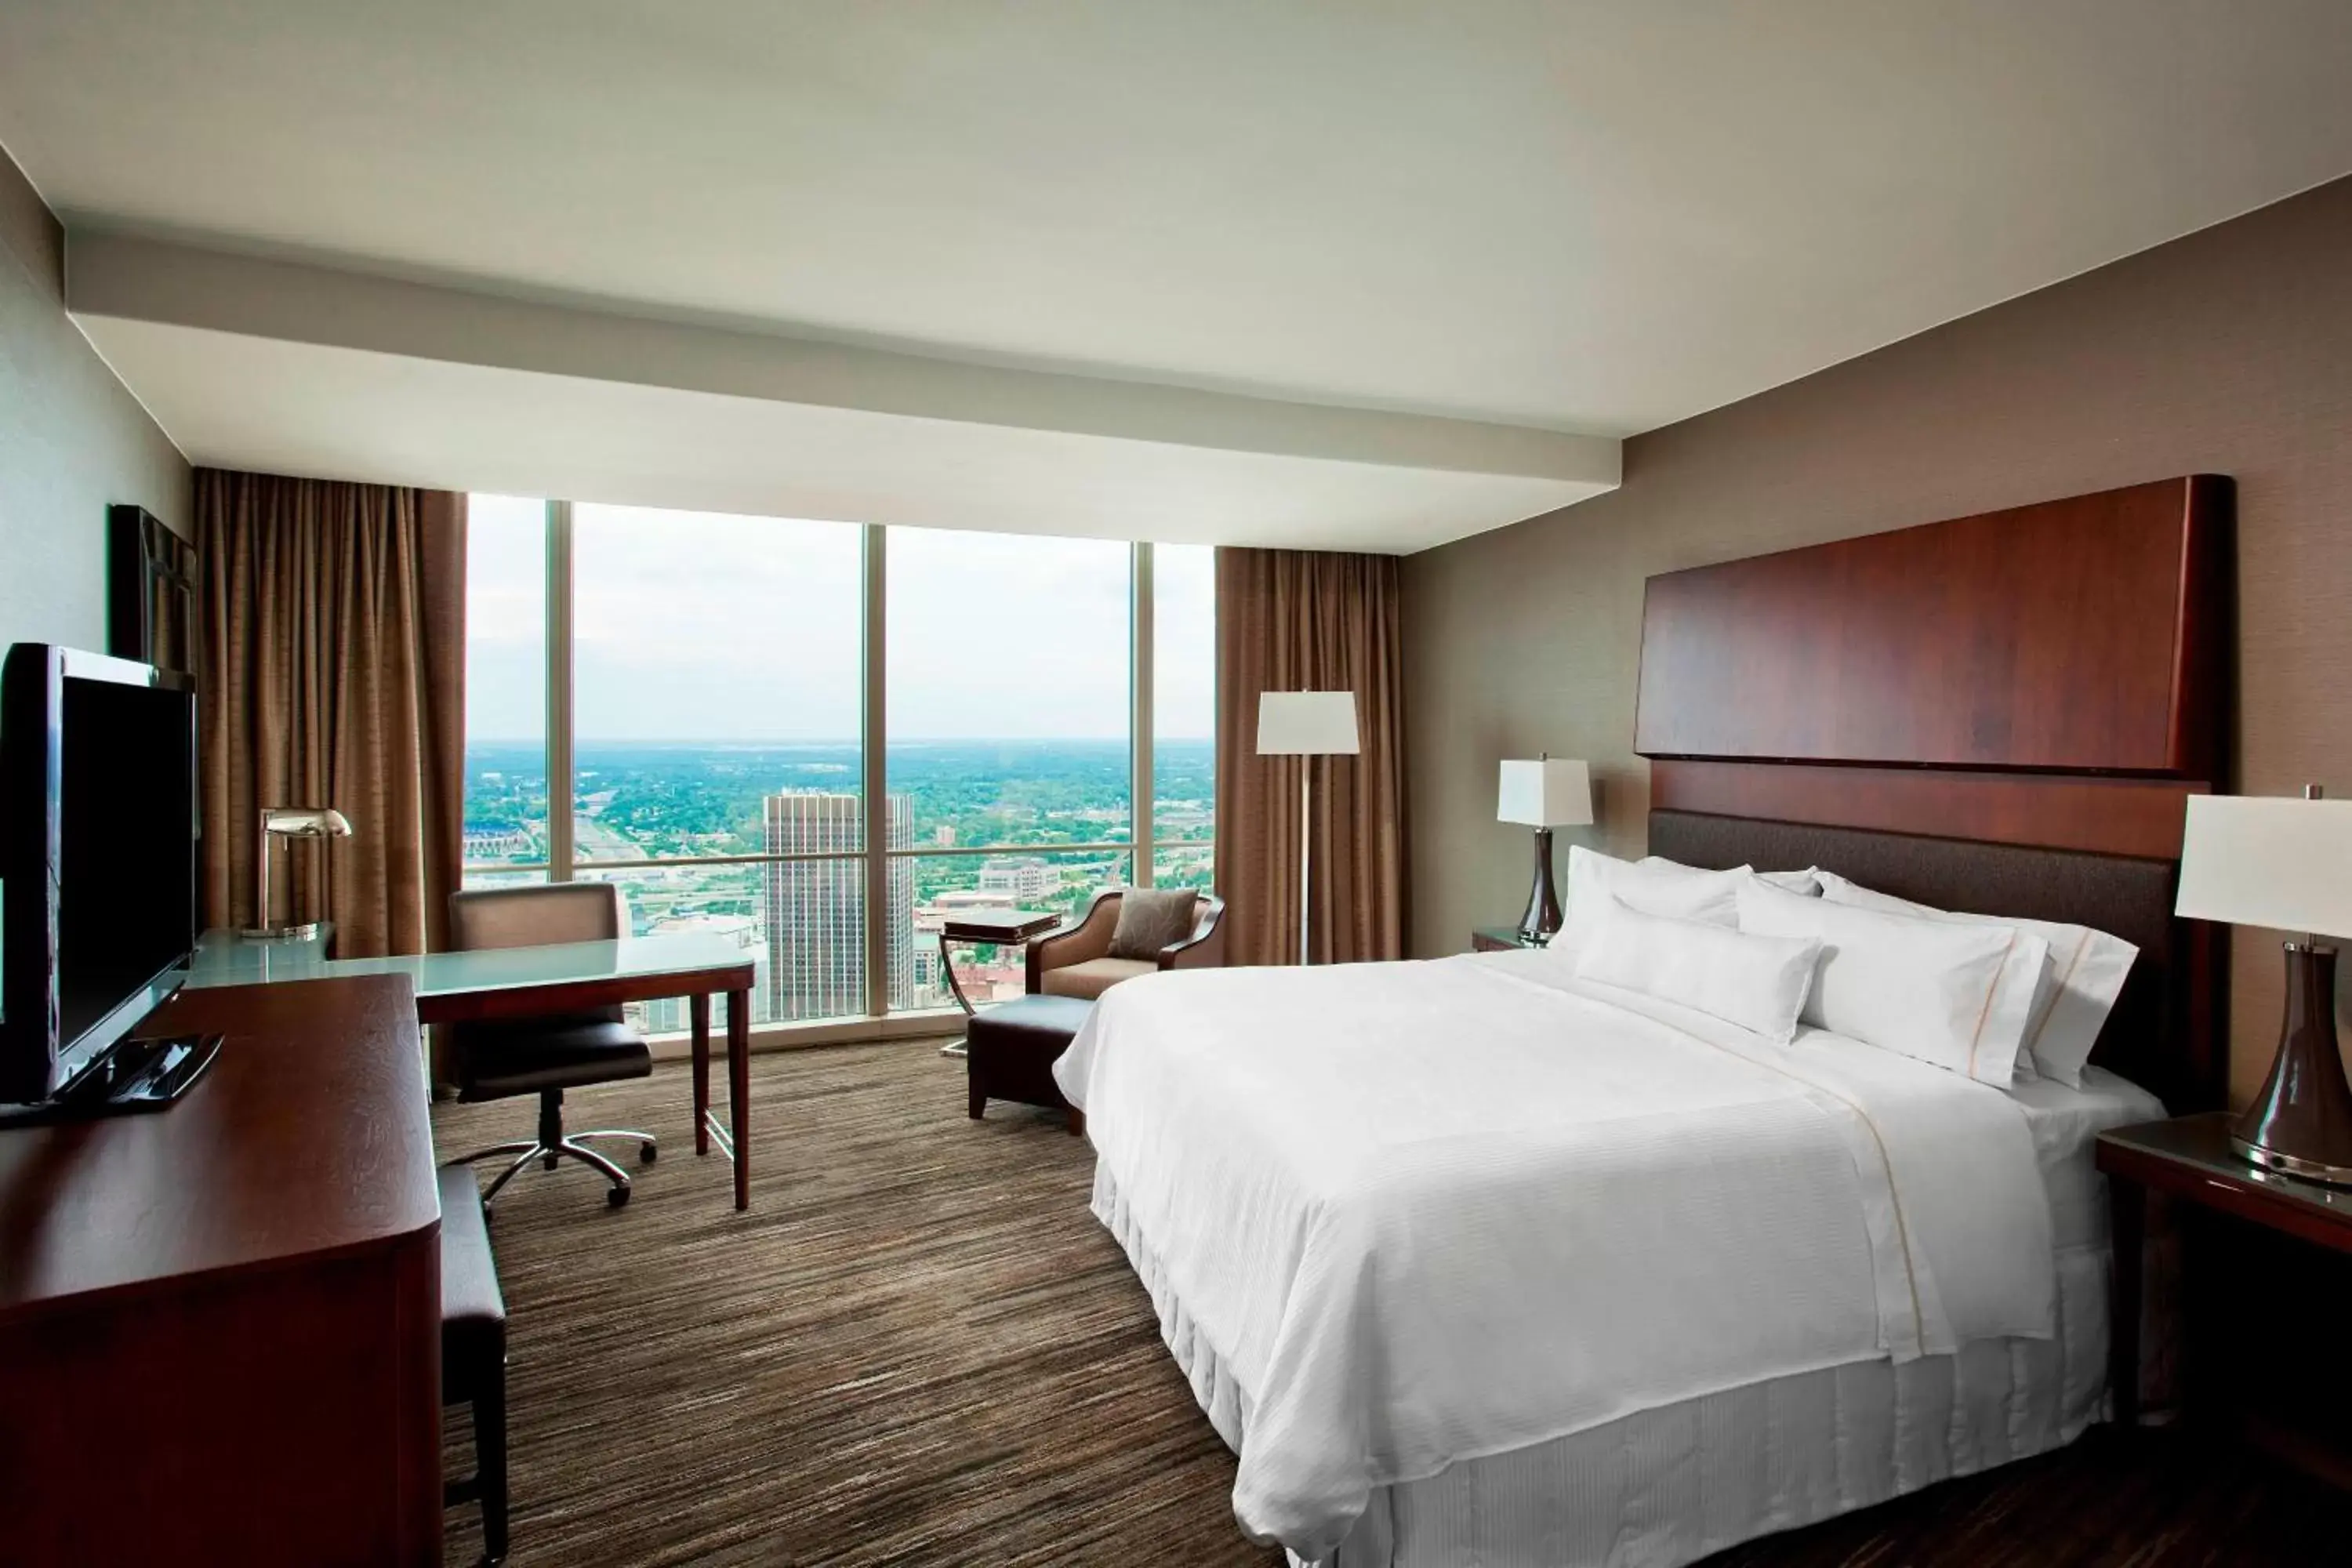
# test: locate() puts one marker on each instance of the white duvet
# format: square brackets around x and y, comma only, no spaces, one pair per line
[1425,1212]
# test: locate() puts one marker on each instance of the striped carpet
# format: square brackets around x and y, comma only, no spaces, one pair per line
[919,1348]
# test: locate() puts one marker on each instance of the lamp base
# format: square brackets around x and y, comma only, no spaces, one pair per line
[2301,1122]
[308,930]
[1542,919]
[2289,1165]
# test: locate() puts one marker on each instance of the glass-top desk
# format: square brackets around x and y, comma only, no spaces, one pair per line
[528,982]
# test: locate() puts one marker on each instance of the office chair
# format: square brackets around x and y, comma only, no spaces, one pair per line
[500,1058]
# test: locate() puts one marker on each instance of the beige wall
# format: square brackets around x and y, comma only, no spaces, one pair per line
[72,441]
[2227,351]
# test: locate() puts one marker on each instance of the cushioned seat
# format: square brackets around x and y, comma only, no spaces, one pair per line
[1010,1048]
[1078,960]
[474,1350]
[473,1310]
[1094,976]
[499,1060]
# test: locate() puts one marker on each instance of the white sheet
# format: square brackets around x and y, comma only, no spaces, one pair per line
[2063,1122]
[1424,1212]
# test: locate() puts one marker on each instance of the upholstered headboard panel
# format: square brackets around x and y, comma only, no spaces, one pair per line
[2126,896]
[2004,714]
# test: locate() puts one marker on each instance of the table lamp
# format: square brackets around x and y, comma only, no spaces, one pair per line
[1549,792]
[1306,724]
[2284,864]
[293,822]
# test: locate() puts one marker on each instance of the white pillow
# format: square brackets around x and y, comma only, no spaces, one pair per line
[1805,881]
[1755,981]
[1656,887]
[1955,995]
[2087,970]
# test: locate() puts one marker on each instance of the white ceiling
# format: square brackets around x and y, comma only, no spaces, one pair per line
[304,408]
[1595,218]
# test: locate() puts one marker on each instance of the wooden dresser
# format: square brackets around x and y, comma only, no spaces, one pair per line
[220,1324]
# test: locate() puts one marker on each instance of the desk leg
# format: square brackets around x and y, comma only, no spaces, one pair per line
[738,1090]
[2128,1224]
[699,1011]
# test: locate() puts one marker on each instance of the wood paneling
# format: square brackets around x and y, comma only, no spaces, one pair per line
[2104,816]
[2064,660]
[220,1322]
[2063,635]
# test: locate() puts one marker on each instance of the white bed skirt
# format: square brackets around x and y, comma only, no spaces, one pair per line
[1668,1485]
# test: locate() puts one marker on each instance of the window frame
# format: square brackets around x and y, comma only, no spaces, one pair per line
[1138,847]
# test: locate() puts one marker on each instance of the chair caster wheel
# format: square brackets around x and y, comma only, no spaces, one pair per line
[647,1153]
[617,1197]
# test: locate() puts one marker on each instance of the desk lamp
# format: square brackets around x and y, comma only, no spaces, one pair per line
[293,822]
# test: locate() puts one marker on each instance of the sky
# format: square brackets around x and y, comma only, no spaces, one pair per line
[699,626]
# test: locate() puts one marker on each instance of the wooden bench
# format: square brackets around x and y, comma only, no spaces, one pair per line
[474,1351]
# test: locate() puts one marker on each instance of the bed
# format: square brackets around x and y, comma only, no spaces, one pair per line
[1475,1260]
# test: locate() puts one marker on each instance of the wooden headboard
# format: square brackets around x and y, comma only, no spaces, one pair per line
[2003,713]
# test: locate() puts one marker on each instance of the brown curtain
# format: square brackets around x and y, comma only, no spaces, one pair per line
[1297,620]
[332,672]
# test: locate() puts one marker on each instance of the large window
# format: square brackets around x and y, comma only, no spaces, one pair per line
[1184,715]
[715,746]
[505,826]
[1010,715]
[712,688]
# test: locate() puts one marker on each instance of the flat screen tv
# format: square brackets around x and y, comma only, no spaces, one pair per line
[98,867]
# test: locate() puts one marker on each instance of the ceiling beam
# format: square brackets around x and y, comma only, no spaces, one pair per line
[171,283]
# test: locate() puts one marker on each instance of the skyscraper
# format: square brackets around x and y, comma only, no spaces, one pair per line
[815,909]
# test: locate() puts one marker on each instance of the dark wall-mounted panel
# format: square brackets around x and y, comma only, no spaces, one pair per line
[2074,636]
[151,587]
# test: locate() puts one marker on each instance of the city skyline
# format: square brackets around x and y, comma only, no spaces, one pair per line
[685,829]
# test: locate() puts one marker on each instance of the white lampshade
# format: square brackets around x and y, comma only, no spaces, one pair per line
[1306,723]
[2264,860]
[1552,791]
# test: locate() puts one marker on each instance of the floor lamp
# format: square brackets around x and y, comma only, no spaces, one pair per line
[1307,724]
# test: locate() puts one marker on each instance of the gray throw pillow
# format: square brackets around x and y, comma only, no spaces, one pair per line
[1150,919]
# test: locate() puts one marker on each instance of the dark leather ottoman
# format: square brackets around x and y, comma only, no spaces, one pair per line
[1010,1050]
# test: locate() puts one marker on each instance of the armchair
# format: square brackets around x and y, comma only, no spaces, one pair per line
[1077,961]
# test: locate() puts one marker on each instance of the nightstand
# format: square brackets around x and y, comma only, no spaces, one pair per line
[1498,939]
[2189,1159]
